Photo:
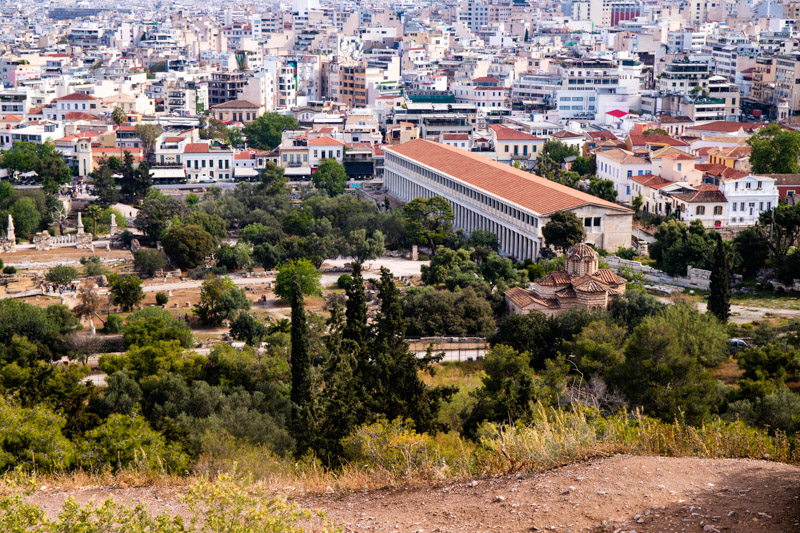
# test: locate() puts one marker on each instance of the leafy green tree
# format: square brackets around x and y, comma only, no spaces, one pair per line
[93,266]
[362,248]
[265,132]
[719,303]
[153,324]
[777,411]
[148,134]
[656,131]
[43,159]
[603,189]
[752,251]
[563,230]
[699,335]
[428,221]
[148,261]
[496,269]
[122,394]
[637,202]
[214,129]
[62,319]
[246,328]
[507,392]
[774,151]
[220,300]
[213,224]
[62,274]
[585,166]
[433,312]
[330,177]
[484,238]
[779,228]
[104,186]
[540,336]
[236,257]
[661,377]
[187,245]
[162,298]
[301,270]
[630,308]
[26,217]
[126,291]
[235,137]
[599,348]
[157,213]
[558,151]
[678,246]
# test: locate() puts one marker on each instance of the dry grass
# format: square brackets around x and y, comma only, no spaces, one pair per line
[728,372]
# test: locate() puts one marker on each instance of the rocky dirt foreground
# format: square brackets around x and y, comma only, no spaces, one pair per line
[616,494]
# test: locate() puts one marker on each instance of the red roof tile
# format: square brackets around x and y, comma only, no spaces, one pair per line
[504,133]
[195,148]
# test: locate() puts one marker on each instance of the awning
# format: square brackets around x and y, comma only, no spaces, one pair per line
[245,172]
[170,173]
[297,171]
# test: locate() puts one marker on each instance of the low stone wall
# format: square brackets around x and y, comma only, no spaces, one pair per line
[695,278]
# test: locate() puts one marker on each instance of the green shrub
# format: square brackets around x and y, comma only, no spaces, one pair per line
[126,441]
[32,438]
[162,298]
[93,266]
[9,270]
[62,274]
[113,324]
[344,281]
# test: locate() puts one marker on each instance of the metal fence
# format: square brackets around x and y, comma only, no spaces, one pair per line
[454,348]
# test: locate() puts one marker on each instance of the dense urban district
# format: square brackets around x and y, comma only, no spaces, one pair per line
[269,258]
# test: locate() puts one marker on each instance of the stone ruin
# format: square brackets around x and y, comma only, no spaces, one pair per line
[44,241]
[9,242]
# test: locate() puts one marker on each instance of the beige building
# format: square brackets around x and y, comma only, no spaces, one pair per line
[489,195]
[237,111]
[582,284]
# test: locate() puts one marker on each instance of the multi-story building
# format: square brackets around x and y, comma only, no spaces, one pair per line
[592,87]
[225,86]
[681,76]
[205,163]
[787,81]
[512,203]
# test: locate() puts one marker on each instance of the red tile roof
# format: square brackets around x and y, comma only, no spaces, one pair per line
[602,135]
[701,197]
[730,127]
[527,190]
[195,148]
[78,115]
[652,181]
[325,141]
[644,140]
[455,136]
[76,97]
[504,133]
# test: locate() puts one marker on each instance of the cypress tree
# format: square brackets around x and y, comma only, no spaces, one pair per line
[342,406]
[301,376]
[355,329]
[400,391]
[719,299]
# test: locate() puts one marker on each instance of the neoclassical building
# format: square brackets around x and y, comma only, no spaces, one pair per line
[582,284]
[507,201]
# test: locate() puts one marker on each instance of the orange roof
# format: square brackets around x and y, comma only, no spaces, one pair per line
[12,118]
[174,139]
[246,155]
[652,181]
[455,136]
[76,96]
[730,127]
[504,133]
[325,141]
[514,185]
[643,140]
[77,115]
[195,148]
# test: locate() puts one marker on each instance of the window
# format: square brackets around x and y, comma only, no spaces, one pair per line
[597,222]
[701,210]
[734,207]
[718,210]
[679,166]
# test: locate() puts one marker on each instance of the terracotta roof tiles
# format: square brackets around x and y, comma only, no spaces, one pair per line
[527,190]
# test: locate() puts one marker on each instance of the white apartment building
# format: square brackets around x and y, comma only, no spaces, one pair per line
[205,165]
[748,197]
[619,166]
[592,87]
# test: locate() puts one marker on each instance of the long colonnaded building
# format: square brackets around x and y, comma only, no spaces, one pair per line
[488,195]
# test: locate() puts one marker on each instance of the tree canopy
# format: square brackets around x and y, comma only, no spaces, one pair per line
[265,131]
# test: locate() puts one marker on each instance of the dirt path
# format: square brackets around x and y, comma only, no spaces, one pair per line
[613,494]
[642,494]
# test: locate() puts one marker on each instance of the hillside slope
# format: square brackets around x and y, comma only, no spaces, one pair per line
[618,493]
[621,493]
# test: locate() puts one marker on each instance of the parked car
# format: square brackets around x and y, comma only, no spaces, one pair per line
[738,345]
